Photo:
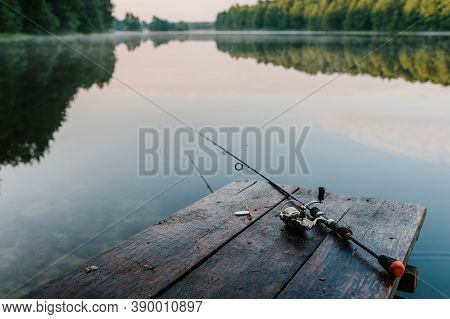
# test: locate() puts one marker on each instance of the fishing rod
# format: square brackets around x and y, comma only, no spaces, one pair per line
[308,216]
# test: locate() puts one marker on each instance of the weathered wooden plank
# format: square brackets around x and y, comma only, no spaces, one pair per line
[260,261]
[146,264]
[341,270]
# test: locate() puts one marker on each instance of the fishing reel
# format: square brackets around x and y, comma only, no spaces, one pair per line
[297,216]
[304,217]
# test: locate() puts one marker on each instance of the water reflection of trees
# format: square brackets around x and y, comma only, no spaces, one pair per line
[38,80]
[413,58]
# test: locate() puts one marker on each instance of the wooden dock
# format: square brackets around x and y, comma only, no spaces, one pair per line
[205,251]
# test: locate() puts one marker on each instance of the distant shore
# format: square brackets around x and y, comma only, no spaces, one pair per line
[14,36]
[5,37]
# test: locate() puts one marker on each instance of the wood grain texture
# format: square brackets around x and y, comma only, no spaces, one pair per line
[152,260]
[342,270]
[205,251]
[260,261]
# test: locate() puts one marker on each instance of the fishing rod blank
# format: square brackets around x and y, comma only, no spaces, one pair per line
[244,164]
[201,175]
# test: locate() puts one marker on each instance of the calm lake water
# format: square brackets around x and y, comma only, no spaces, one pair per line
[68,138]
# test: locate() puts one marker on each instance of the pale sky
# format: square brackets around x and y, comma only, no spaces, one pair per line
[187,10]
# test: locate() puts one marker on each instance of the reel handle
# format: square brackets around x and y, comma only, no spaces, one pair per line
[394,267]
[321,195]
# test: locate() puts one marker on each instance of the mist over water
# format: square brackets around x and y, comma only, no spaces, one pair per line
[68,139]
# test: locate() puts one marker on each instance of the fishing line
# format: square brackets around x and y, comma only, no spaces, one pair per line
[201,175]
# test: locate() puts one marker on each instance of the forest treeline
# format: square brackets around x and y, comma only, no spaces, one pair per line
[131,22]
[134,23]
[159,24]
[358,15]
[62,16]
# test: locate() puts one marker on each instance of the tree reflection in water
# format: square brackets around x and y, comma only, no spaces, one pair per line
[39,79]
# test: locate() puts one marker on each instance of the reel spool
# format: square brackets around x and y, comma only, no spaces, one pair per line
[299,218]
[296,219]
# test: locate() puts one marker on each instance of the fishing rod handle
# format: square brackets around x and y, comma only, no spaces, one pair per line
[392,266]
[344,232]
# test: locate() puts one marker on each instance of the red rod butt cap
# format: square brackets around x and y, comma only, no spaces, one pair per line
[397,268]
[393,267]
